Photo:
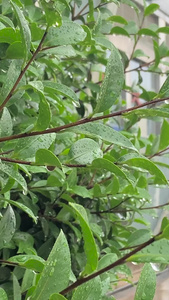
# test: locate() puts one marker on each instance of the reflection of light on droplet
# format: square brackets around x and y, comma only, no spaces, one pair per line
[155,266]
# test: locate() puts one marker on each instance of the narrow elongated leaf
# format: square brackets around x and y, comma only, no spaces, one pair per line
[46,157]
[119,30]
[69,33]
[104,132]
[148,113]
[146,164]
[151,9]
[23,207]
[147,31]
[6,123]
[12,171]
[90,290]
[3,295]
[27,147]
[55,275]
[89,242]
[24,28]
[7,227]
[118,19]
[108,165]
[112,83]
[11,77]
[156,252]
[16,288]
[84,151]
[44,115]
[67,51]
[6,21]
[163,30]
[147,284]
[58,88]
[164,137]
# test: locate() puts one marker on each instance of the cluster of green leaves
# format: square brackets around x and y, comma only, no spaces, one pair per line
[70,183]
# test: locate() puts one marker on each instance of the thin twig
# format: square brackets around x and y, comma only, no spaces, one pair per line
[159,153]
[23,72]
[80,122]
[79,13]
[120,261]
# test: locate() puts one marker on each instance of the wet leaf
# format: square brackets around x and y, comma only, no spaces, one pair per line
[147,284]
[7,227]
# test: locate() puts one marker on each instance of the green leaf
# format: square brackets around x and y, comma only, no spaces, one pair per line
[12,171]
[61,89]
[164,223]
[90,16]
[89,242]
[58,262]
[156,252]
[105,133]
[139,237]
[69,33]
[163,30]
[11,77]
[6,21]
[24,28]
[146,31]
[9,35]
[16,288]
[109,166]
[147,284]
[118,19]
[53,16]
[67,51]
[44,115]
[132,5]
[89,290]
[146,164]
[6,123]
[84,151]
[15,51]
[23,207]
[57,297]
[112,83]
[151,9]
[27,147]
[164,91]
[46,157]
[7,227]
[147,113]
[139,53]
[164,137]
[119,30]
[32,262]
[3,295]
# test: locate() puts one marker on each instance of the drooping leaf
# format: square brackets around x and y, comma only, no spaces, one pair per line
[119,31]
[164,138]
[12,171]
[164,91]
[89,290]
[147,284]
[118,19]
[7,227]
[68,34]
[5,123]
[24,28]
[53,17]
[44,115]
[147,31]
[89,242]
[108,165]
[104,132]
[46,157]
[112,83]
[146,164]
[84,151]
[32,262]
[58,263]
[58,88]
[23,207]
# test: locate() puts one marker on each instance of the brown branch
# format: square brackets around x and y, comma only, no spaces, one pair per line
[79,13]
[23,72]
[6,262]
[120,261]
[82,121]
[159,153]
